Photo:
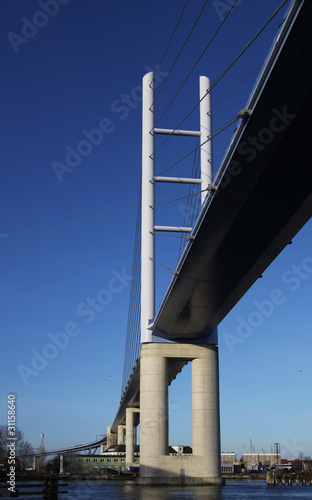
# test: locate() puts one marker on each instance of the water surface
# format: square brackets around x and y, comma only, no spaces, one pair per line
[127,490]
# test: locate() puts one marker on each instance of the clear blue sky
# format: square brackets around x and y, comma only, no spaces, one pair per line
[67,221]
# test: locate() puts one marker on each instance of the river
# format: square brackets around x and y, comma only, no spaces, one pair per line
[126,490]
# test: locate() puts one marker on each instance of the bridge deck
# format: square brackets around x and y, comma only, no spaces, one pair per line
[264,198]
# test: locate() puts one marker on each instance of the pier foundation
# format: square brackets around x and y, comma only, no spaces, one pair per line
[156,466]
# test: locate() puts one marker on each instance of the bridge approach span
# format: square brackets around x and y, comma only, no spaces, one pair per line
[70,449]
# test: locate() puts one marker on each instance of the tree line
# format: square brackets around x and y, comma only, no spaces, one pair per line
[22,447]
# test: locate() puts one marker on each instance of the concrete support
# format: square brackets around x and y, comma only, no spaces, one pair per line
[153,404]
[111,438]
[121,434]
[130,435]
[156,466]
[129,438]
[205,410]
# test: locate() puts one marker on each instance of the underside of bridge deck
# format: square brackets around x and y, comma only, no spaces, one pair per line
[264,197]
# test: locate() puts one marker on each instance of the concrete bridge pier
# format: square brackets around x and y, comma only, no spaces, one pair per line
[111,439]
[156,466]
[121,434]
[130,435]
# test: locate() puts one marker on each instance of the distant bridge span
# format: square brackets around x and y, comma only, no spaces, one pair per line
[70,449]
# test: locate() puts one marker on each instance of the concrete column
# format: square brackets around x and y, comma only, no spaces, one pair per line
[111,438]
[121,434]
[205,410]
[153,404]
[62,464]
[130,435]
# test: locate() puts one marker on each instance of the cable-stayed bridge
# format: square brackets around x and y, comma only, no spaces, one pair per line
[250,210]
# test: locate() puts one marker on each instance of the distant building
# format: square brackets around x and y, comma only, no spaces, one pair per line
[180,450]
[307,465]
[114,458]
[228,457]
[84,464]
[254,460]
[238,467]
[227,468]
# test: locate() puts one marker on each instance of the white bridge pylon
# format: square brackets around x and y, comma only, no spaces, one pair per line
[148,188]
